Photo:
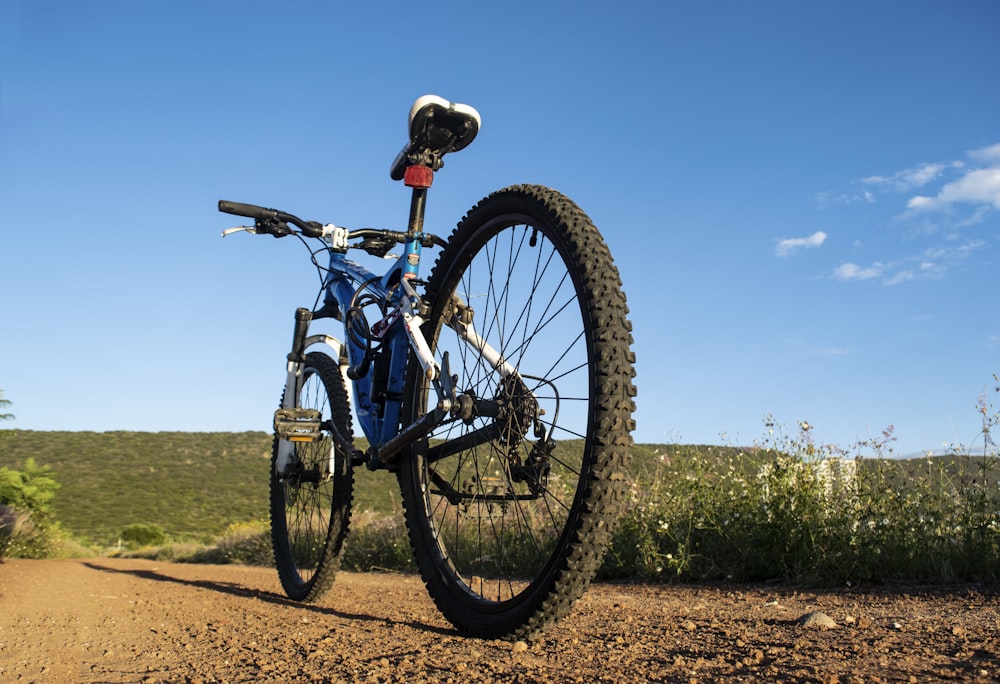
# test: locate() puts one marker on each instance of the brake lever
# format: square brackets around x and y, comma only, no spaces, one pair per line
[237,229]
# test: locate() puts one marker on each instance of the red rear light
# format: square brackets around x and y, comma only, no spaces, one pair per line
[418,176]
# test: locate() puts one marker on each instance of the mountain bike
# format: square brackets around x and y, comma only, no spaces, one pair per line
[499,390]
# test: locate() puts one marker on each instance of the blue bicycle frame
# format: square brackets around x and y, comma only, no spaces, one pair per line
[378,421]
[379,391]
[377,407]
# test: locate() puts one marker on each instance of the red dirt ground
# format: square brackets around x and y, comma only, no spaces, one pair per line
[106,620]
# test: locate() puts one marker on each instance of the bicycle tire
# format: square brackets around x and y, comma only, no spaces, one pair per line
[310,515]
[525,530]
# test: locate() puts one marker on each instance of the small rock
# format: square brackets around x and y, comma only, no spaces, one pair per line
[817,619]
[520,646]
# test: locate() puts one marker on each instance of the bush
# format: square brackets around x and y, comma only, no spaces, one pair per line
[10,524]
[30,489]
[378,541]
[139,534]
[789,509]
[248,543]
[22,537]
[27,529]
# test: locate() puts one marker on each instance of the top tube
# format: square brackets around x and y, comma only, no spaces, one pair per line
[407,266]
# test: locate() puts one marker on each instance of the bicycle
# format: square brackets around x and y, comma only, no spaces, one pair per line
[499,390]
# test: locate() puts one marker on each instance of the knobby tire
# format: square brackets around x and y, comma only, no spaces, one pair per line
[525,529]
[310,518]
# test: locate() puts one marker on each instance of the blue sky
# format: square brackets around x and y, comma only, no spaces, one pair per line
[803,198]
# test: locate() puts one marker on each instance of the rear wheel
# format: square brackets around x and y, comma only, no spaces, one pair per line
[511,504]
[311,495]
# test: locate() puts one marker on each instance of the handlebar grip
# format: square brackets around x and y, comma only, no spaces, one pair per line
[248,210]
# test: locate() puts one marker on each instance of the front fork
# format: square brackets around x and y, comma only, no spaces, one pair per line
[292,423]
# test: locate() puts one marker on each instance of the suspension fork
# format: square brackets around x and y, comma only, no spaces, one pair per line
[293,424]
[293,385]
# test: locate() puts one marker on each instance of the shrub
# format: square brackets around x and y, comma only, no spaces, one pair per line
[787,508]
[10,524]
[377,541]
[248,543]
[27,529]
[29,489]
[140,534]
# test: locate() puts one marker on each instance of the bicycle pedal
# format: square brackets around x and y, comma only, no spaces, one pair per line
[298,424]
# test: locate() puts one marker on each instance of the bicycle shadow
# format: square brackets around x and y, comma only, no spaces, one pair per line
[234,589]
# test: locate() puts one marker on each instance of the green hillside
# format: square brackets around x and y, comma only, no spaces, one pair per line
[193,485]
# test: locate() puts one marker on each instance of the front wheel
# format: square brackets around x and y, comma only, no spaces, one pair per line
[311,487]
[510,504]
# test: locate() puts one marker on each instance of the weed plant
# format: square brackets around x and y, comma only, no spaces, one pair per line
[787,508]
[378,542]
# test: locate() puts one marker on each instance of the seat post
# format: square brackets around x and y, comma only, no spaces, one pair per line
[419,178]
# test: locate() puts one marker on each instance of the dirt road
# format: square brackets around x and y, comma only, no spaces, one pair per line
[139,621]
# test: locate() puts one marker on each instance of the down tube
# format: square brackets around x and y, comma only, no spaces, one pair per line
[340,285]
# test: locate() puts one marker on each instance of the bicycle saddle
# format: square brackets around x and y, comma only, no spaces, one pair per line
[437,127]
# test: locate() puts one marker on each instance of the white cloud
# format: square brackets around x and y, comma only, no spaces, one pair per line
[951,196]
[832,199]
[978,187]
[908,179]
[851,271]
[787,246]
[925,271]
[930,264]
[987,155]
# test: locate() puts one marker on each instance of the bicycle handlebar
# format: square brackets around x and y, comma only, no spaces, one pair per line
[271,221]
[248,210]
